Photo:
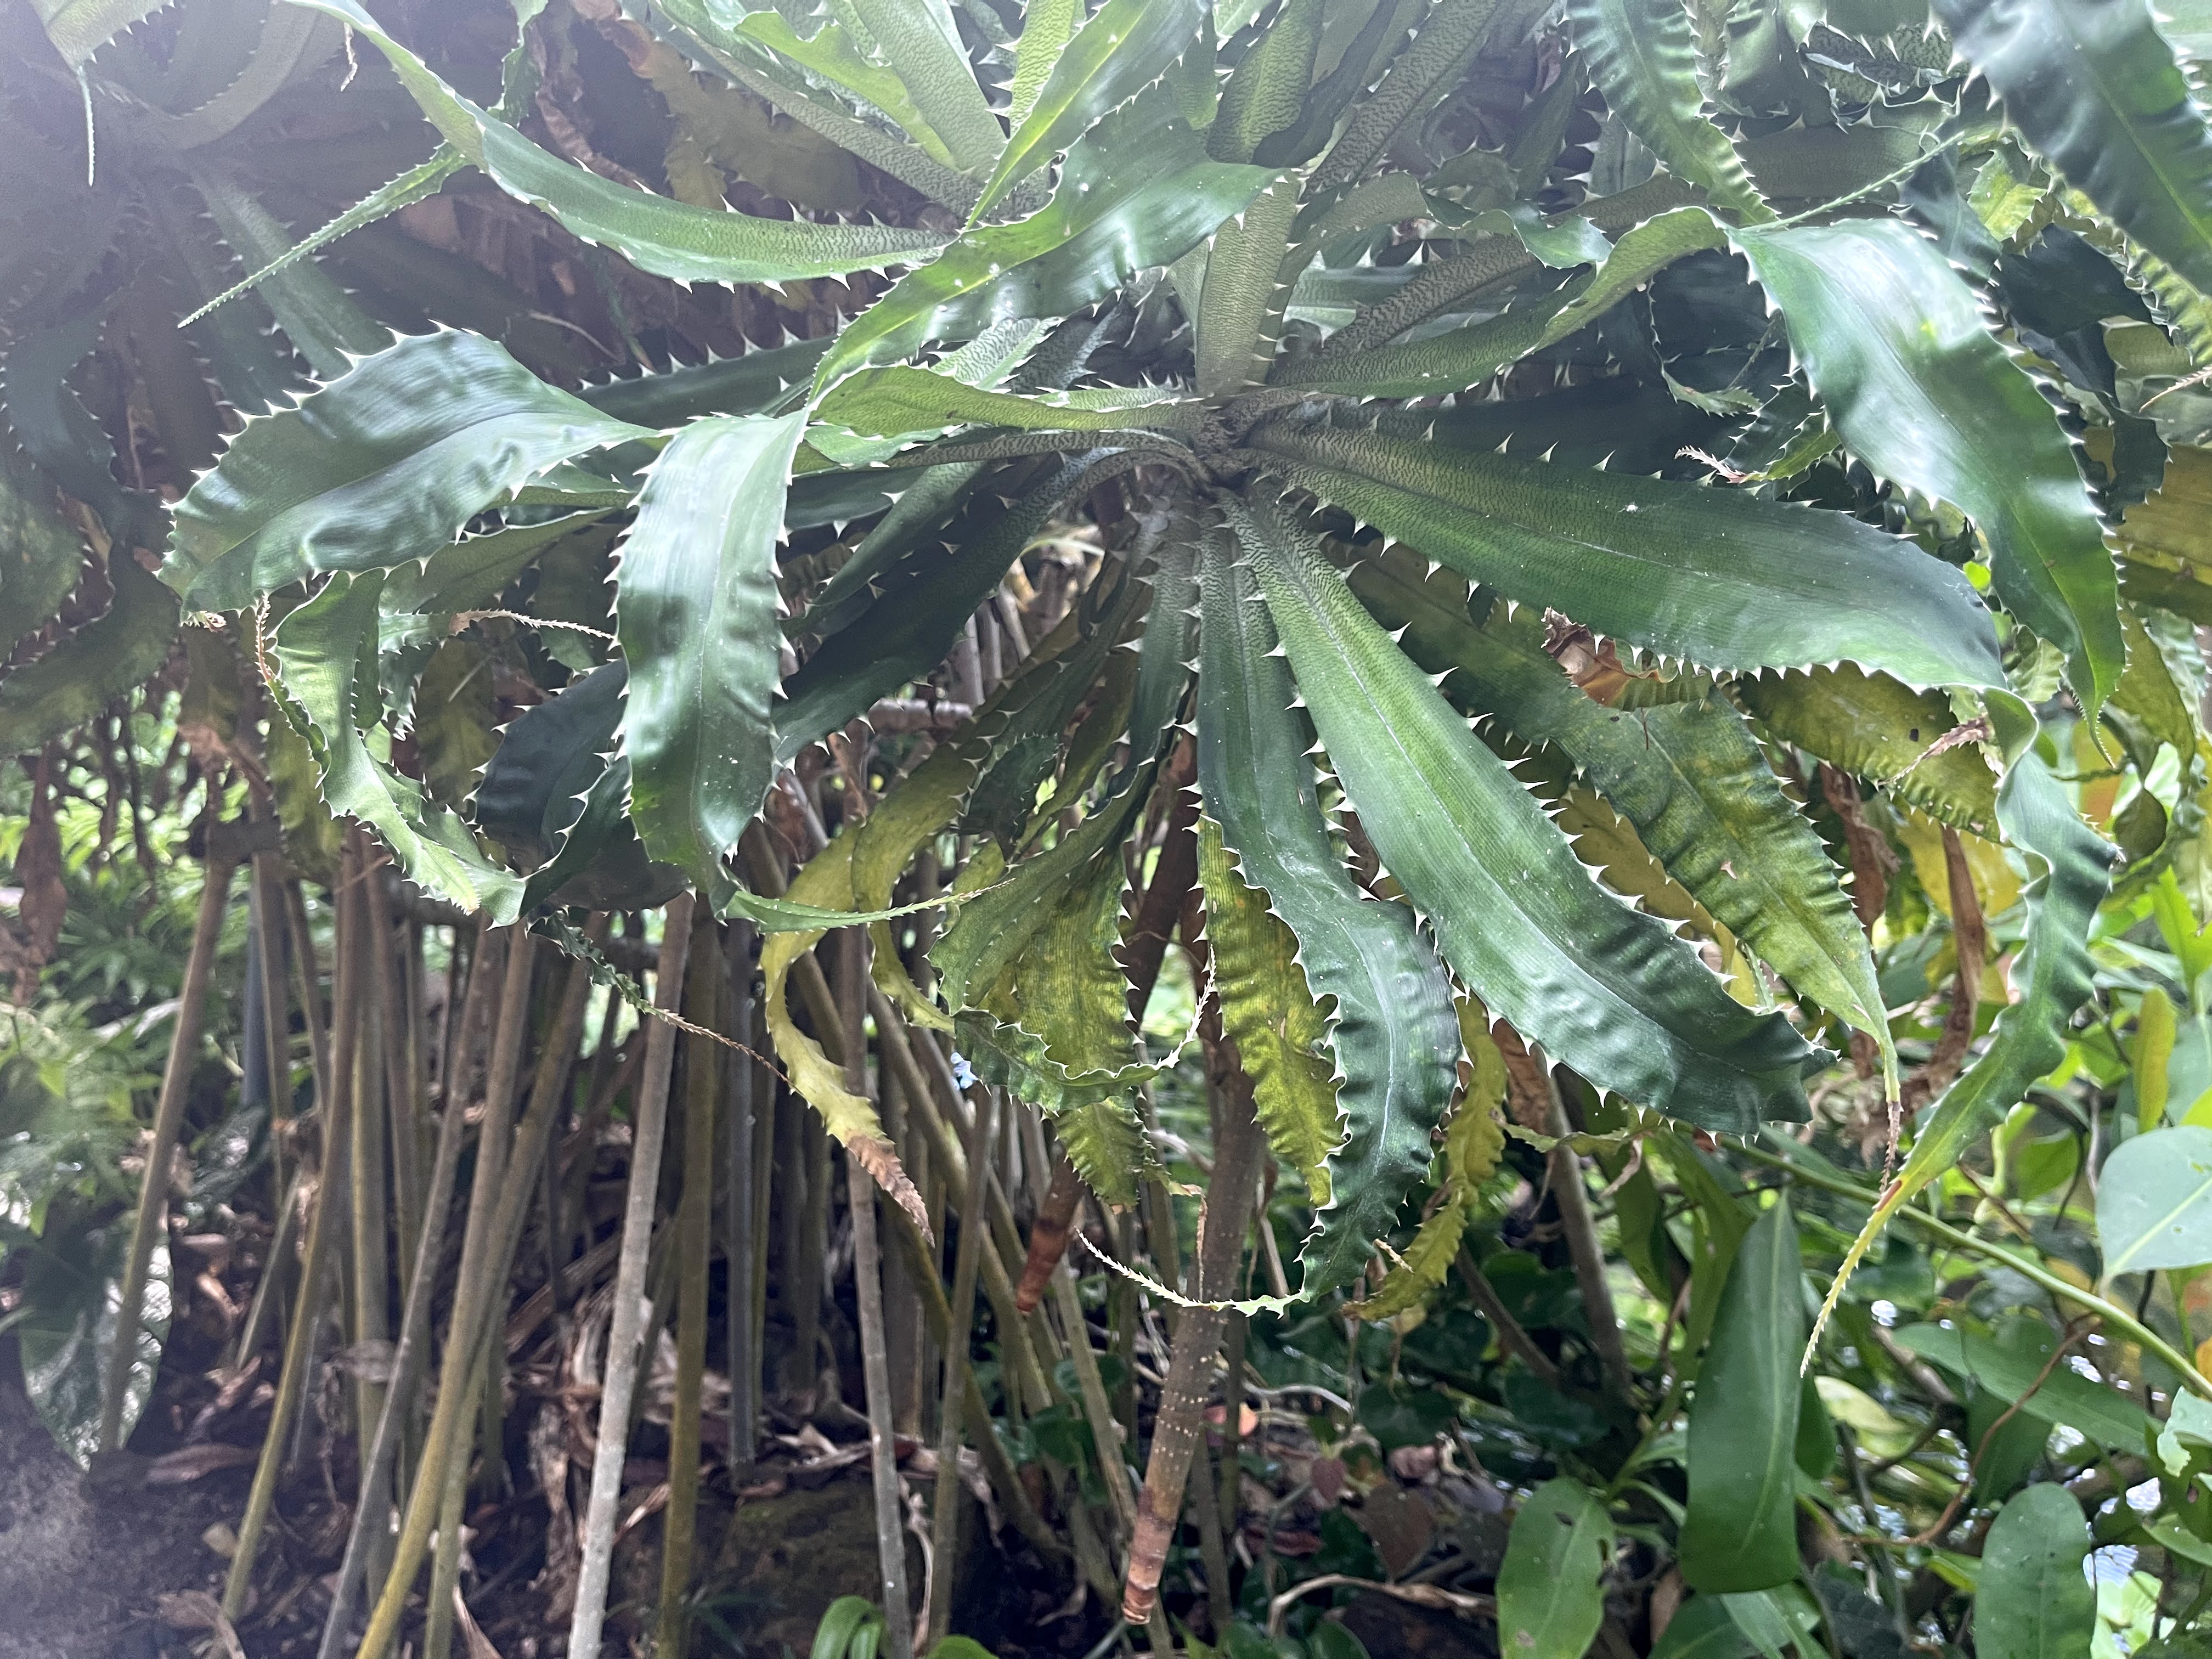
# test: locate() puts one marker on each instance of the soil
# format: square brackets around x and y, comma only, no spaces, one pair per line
[82,1561]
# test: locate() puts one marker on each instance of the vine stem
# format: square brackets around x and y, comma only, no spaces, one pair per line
[2118,1317]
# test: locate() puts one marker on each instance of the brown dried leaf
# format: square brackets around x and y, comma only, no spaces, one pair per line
[189,1464]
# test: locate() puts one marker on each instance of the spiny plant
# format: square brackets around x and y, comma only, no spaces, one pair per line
[1333,535]
[1513,449]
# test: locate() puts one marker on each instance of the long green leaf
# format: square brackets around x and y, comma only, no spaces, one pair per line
[1391,1025]
[1240,306]
[1123,47]
[1688,775]
[1607,990]
[921,43]
[2093,86]
[654,233]
[1740,1532]
[82,674]
[1266,93]
[324,322]
[79,29]
[2033,1600]
[375,470]
[830,52]
[2008,1363]
[324,656]
[1446,39]
[1719,576]
[1644,57]
[1467,356]
[1137,191]
[899,398]
[696,615]
[1895,342]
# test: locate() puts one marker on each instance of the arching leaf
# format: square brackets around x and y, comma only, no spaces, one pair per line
[1721,577]
[40,554]
[375,470]
[695,613]
[82,674]
[923,605]
[1644,57]
[1120,49]
[1687,775]
[1874,727]
[325,652]
[1893,342]
[2093,86]
[1606,990]
[1391,1025]
[1137,191]
[656,234]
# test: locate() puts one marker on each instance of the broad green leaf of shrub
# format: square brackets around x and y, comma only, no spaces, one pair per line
[1550,1602]
[2155,1201]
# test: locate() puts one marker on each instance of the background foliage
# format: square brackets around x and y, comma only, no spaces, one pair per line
[1490,645]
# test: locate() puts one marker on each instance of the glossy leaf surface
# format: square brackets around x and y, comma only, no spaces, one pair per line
[1606,990]
[381,467]
[696,615]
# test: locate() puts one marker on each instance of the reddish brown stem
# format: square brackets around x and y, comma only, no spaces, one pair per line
[1048,1235]
[1222,1226]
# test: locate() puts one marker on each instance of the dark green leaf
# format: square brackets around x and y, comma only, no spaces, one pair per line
[82,674]
[2033,1600]
[64,1326]
[910,627]
[2009,1364]
[1550,1602]
[666,237]
[1644,57]
[2096,90]
[1895,342]
[1740,1532]
[1138,190]
[1392,1026]
[375,470]
[1122,48]
[1688,774]
[40,554]
[1606,990]
[1719,576]
[696,615]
